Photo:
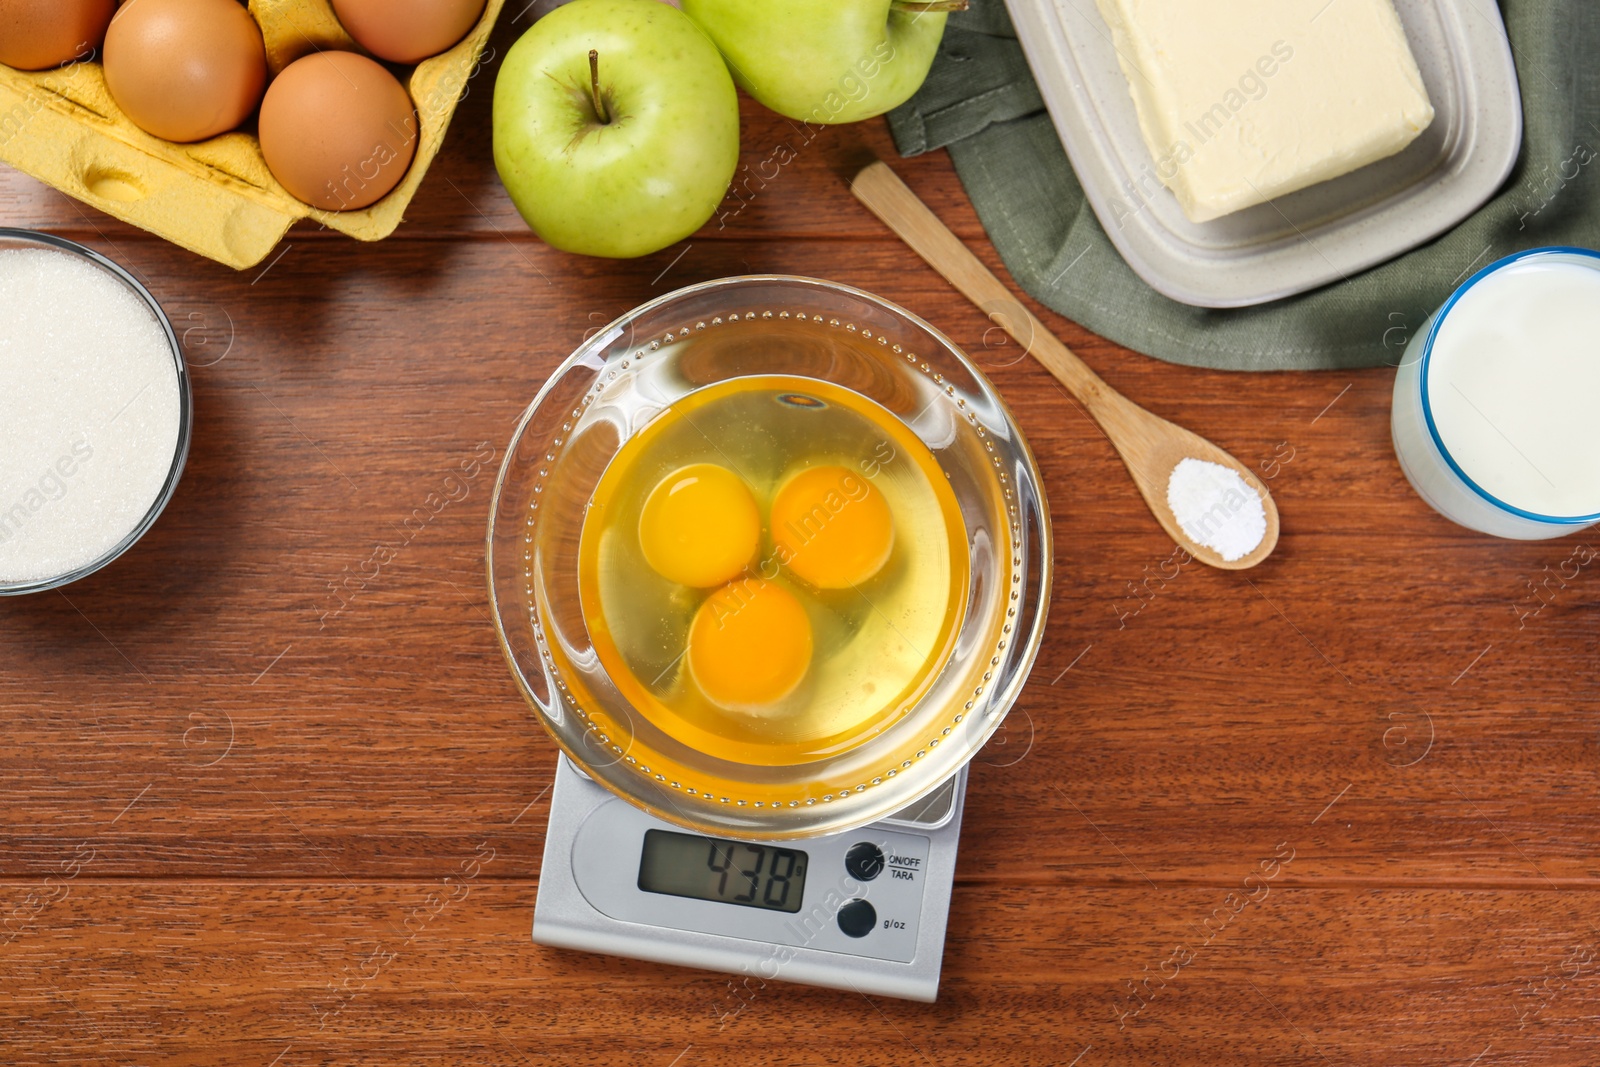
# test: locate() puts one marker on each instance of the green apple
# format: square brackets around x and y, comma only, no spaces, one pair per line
[825,60]
[616,127]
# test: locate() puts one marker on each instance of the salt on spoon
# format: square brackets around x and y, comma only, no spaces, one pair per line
[1216,507]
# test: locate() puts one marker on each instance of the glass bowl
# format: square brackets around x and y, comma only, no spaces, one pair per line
[630,372]
[14,238]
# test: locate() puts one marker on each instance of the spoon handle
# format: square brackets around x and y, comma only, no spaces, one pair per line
[887,197]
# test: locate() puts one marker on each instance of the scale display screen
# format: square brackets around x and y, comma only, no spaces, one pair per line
[732,872]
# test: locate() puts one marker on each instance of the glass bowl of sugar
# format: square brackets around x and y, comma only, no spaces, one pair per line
[95,411]
[1494,403]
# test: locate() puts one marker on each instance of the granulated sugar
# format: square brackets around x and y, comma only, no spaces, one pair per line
[1216,508]
[89,413]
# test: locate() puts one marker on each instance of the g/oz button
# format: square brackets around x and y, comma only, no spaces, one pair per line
[864,861]
[857,918]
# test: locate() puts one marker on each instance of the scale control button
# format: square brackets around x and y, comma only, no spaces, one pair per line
[857,918]
[864,862]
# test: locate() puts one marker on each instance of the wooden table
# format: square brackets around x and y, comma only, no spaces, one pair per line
[1341,809]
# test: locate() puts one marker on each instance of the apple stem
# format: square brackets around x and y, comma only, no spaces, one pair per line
[594,87]
[924,7]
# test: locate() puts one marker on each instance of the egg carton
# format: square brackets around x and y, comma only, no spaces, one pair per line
[214,197]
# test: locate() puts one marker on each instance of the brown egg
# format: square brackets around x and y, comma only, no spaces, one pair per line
[185,70]
[405,31]
[37,34]
[337,130]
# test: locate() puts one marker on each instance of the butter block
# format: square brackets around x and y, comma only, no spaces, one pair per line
[1244,101]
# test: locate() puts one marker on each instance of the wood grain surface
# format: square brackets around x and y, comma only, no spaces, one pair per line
[248,819]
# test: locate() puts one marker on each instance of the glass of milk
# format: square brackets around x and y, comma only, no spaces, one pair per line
[95,411]
[1496,416]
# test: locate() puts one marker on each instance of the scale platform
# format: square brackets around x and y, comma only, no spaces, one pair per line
[864,910]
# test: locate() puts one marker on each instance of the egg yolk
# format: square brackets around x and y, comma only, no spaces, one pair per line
[700,526]
[749,645]
[832,527]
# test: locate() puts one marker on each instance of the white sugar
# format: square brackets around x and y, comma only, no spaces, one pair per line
[89,413]
[1216,508]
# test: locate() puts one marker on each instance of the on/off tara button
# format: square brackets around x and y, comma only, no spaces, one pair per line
[864,861]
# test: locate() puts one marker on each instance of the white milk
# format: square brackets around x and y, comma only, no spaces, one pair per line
[1515,386]
[1513,383]
[90,411]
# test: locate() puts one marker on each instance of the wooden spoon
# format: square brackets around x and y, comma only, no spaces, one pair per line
[1150,446]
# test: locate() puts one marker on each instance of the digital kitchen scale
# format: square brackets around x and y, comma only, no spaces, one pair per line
[863,910]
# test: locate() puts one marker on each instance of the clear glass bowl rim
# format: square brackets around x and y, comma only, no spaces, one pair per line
[1039,585]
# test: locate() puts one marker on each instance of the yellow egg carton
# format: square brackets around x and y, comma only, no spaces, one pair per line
[216,197]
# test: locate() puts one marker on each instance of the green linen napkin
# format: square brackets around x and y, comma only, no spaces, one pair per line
[981,103]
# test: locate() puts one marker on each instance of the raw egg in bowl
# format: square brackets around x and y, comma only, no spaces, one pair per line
[769,558]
